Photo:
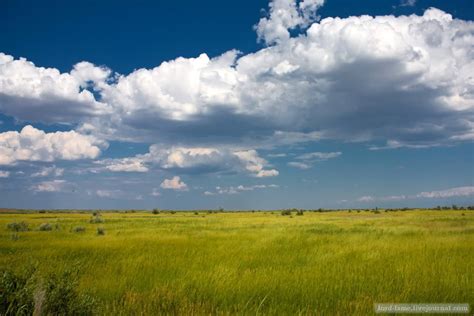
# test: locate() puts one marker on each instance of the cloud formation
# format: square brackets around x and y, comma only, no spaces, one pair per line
[31,144]
[174,183]
[405,80]
[193,160]
[457,192]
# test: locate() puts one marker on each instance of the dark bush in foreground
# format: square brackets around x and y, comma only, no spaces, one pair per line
[18,227]
[286,212]
[45,227]
[299,212]
[156,211]
[100,231]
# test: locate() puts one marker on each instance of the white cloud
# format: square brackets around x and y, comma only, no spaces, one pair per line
[174,183]
[286,15]
[193,160]
[108,193]
[454,192]
[255,164]
[366,198]
[36,93]
[309,159]
[4,174]
[404,80]
[50,186]
[442,194]
[31,144]
[240,188]
[299,165]
[407,3]
[49,171]
[127,165]
[155,192]
[319,155]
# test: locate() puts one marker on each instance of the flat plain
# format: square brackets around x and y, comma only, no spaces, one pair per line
[320,263]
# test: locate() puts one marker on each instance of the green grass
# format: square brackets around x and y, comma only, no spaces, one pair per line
[333,263]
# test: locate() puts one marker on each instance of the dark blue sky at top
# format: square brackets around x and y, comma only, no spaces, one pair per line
[126,37]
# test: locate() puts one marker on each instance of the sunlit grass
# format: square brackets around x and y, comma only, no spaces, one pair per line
[249,263]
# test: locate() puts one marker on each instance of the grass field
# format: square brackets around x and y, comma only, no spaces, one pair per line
[330,263]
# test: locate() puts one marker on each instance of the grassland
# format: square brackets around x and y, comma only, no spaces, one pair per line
[333,263]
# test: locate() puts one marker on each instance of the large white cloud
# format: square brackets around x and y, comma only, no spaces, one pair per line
[31,144]
[403,80]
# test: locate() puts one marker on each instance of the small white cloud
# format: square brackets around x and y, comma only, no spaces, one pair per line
[127,165]
[4,174]
[108,193]
[454,192]
[267,173]
[299,165]
[366,198]
[49,171]
[174,183]
[240,188]
[49,186]
[407,3]
[155,192]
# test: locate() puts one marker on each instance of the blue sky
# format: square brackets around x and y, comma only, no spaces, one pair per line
[246,105]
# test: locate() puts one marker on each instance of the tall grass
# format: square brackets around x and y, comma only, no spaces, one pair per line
[248,263]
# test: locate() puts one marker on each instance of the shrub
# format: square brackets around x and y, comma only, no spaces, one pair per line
[299,212]
[18,227]
[155,211]
[376,211]
[78,229]
[196,213]
[172,212]
[286,212]
[41,211]
[100,231]
[45,227]
[96,219]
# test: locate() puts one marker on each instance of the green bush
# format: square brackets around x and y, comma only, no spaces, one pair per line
[286,212]
[18,227]
[45,227]
[156,211]
[100,231]
[299,212]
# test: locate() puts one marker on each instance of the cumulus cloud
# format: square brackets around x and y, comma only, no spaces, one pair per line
[405,81]
[4,174]
[49,171]
[366,198]
[31,144]
[35,93]
[284,16]
[174,183]
[193,160]
[50,186]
